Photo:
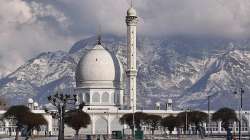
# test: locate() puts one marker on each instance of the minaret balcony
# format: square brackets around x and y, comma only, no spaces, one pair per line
[131,72]
[131,20]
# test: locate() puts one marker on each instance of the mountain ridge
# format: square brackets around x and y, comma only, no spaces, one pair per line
[186,71]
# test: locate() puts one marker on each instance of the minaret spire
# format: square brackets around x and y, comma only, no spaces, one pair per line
[131,21]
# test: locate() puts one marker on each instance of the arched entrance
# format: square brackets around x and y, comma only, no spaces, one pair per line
[101,125]
[115,125]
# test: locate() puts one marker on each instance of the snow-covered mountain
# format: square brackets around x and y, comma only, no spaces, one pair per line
[186,70]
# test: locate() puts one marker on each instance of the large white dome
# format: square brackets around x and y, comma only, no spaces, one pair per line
[99,69]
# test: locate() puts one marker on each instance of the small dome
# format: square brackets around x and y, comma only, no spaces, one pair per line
[98,69]
[170,101]
[131,12]
[35,104]
[30,101]
[158,104]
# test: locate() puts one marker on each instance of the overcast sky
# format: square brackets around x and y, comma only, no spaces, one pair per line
[28,27]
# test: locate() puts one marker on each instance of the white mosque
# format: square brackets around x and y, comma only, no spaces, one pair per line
[100,83]
[100,75]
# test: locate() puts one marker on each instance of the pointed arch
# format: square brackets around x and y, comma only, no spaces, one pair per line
[105,97]
[96,97]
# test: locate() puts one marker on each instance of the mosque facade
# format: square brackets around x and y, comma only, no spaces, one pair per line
[100,82]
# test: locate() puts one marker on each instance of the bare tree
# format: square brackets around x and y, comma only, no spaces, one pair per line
[61,102]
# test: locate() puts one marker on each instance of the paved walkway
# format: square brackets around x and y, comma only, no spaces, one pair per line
[156,138]
[188,138]
[22,138]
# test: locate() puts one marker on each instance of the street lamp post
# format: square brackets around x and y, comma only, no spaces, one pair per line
[107,124]
[248,124]
[186,119]
[133,117]
[60,101]
[186,129]
[133,124]
[208,112]
[240,111]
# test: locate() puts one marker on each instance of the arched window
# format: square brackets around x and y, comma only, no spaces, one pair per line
[112,98]
[105,97]
[96,97]
[86,98]
[117,98]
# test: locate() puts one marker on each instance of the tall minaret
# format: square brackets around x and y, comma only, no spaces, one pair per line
[131,20]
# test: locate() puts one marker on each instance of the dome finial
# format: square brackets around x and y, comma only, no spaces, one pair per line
[99,40]
[131,11]
[99,36]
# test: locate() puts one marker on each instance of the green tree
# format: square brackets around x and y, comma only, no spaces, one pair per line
[18,113]
[153,121]
[193,117]
[127,119]
[3,104]
[184,119]
[197,118]
[33,121]
[77,119]
[139,120]
[24,117]
[225,115]
[170,122]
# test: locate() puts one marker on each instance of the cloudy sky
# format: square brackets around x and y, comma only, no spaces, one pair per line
[28,27]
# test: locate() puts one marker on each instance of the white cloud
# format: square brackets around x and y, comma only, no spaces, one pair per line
[24,33]
[220,18]
[28,27]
